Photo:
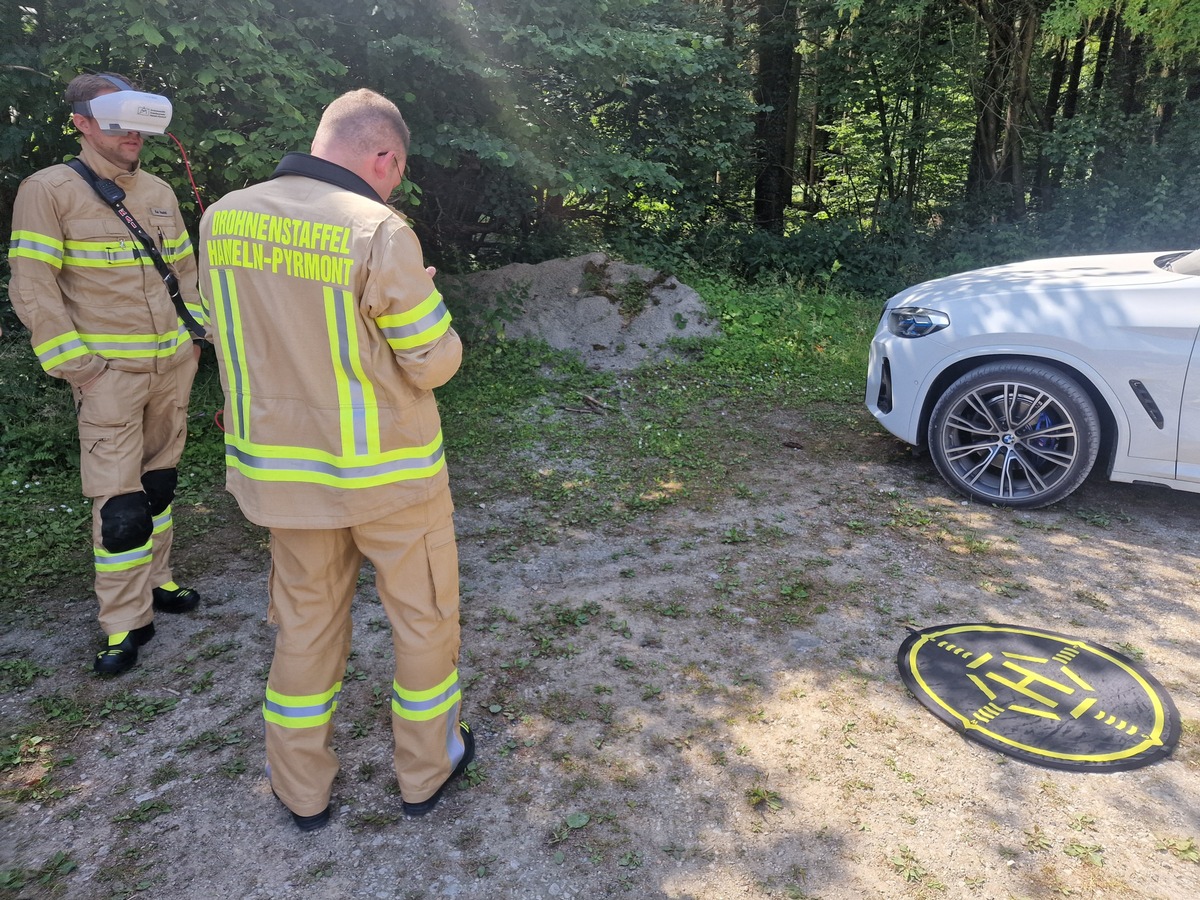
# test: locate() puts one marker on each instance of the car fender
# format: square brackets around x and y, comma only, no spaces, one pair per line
[953,366]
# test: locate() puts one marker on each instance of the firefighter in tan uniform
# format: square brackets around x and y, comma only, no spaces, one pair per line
[330,338]
[101,318]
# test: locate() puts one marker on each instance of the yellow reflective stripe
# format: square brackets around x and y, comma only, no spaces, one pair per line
[301,711]
[175,249]
[435,331]
[137,346]
[59,350]
[306,465]
[425,322]
[421,706]
[162,521]
[111,253]
[358,407]
[228,320]
[197,311]
[121,562]
[72,345]
[40,247]
[361,463]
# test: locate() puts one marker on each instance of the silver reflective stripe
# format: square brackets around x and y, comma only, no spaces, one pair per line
[233,353]
[429,703]
[142,552]
[456,749]
[336,470]
[415,328]
[302,712]
[107,254]
[147,343]
[59,349]
[183,248]
[36,247]
[358,408]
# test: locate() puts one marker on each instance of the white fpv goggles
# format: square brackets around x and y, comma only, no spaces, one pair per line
[127,110]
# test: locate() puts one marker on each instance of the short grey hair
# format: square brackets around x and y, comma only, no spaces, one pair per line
[362,122]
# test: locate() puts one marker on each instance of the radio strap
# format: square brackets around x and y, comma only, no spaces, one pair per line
[112,194]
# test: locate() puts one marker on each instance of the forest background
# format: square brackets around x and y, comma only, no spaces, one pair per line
[795,163]
[861,143]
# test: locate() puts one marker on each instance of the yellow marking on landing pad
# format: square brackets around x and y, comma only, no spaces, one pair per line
[1034,712]
[1083,707]
[1075,678]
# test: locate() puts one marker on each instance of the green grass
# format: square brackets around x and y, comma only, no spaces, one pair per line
[662,433]
[45,521]
[596,447]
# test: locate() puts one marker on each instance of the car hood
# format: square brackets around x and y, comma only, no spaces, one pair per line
[1042,276]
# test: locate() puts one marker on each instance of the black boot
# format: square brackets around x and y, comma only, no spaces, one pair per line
[121,656]
[307,823]
[171,598]
[425,806]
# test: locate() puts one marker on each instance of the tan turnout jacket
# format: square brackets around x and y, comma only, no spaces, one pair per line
[84,285]
[330,337]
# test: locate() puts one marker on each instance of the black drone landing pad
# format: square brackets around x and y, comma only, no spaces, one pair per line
[1043,697]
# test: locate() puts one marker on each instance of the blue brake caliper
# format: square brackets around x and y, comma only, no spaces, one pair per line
[1046,443]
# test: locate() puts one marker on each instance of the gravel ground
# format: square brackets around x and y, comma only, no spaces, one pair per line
[629,688]
[694,701]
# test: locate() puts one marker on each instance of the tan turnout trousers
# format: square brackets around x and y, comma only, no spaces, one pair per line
[131,423]
[313,578]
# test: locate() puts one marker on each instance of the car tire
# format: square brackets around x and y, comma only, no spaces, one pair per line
[1014,434]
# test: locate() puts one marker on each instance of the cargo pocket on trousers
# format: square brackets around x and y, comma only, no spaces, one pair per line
[442,553]
[108,454]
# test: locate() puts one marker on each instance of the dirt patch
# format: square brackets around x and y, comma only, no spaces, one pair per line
[613,314]
[648,679]
[635,689]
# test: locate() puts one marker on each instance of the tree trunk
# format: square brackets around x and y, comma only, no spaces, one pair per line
[1014,151]
[777,91]
[1129,61]
[983,169]
[1000,100]
[1103,52]
[1071,97]
[816,142]
[887,177]
[1058,74]
[916,127]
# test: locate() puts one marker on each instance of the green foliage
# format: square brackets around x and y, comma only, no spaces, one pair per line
[1171,27]
[45,527]
[37,432]
[246,81]
[542,128]
[526,115]
[16,879]
[486,323]
[1137,194]
[19,674]
[892,121]
[805,342]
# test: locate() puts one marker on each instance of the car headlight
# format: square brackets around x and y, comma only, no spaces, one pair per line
[916,321]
